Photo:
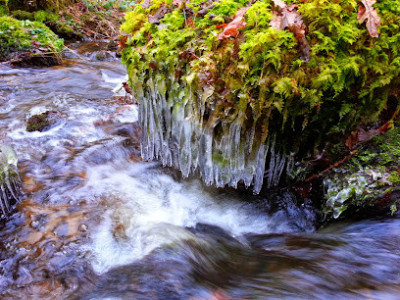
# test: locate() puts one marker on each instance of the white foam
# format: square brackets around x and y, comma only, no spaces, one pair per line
[154,209]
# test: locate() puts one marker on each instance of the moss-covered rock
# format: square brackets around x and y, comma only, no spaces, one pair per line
[22,36]
[287,100]
[23,15]
[42,122]
[369,182]
[34,5]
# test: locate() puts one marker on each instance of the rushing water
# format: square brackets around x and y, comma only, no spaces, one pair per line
[98,223]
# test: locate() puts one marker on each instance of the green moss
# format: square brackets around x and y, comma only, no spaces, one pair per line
[18,35]
[3,10]
[64,30]
[23,15]
[260,78]
[44,16]
[38,123]
[34,5]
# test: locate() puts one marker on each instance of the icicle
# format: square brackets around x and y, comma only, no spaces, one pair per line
[4,201]
[271,163]
[179,131]
[9,178]
[260,168]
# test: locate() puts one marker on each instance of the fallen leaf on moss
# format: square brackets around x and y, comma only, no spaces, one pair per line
[288,17]
[369,14]
[279,3]
[361,136]
[158,15]
[189,22]
[232,29]
[146,4]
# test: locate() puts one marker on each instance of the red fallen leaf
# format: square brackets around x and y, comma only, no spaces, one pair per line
[371,15]
[289,18]
[352,140]
[153,66]
[127,88]
[35,43]
[189,22]
[122,42]
[188,55]
[220,26]
[232,29]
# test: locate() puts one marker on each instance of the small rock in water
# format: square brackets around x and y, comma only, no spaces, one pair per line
[10,182]
[42,122]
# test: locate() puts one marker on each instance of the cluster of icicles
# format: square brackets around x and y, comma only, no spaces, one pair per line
[9,178]
[174,133]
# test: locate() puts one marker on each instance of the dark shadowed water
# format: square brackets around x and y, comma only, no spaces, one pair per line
[98,223]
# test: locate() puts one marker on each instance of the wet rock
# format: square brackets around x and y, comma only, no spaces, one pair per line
[161,275]
[64,31]
[103,55]
[112,45]
[40,59]
[42,122]
[368,184]
[203,229]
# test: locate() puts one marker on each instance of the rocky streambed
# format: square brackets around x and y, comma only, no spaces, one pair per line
[96,222]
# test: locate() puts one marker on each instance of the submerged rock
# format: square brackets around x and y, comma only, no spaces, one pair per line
[230,92]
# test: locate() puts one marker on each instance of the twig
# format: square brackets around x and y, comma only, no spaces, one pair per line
[335,165]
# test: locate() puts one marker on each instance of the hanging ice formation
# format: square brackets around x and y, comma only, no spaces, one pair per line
[180,133]
[9,178]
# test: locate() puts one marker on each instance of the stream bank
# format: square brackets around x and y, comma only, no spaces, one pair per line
[98,222]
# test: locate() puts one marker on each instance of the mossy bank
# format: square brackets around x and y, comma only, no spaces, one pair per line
[228,93]
[30,38]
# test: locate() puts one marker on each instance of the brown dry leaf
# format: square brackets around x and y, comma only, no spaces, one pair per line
[286,17]
[146,4]
[289,18]
[369,14]
[362,135]
[178,2]
[232,29]
[189,22]
[159,14]
[122,42]
[279,3]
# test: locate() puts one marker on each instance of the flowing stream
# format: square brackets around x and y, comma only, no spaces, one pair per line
[96,222]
